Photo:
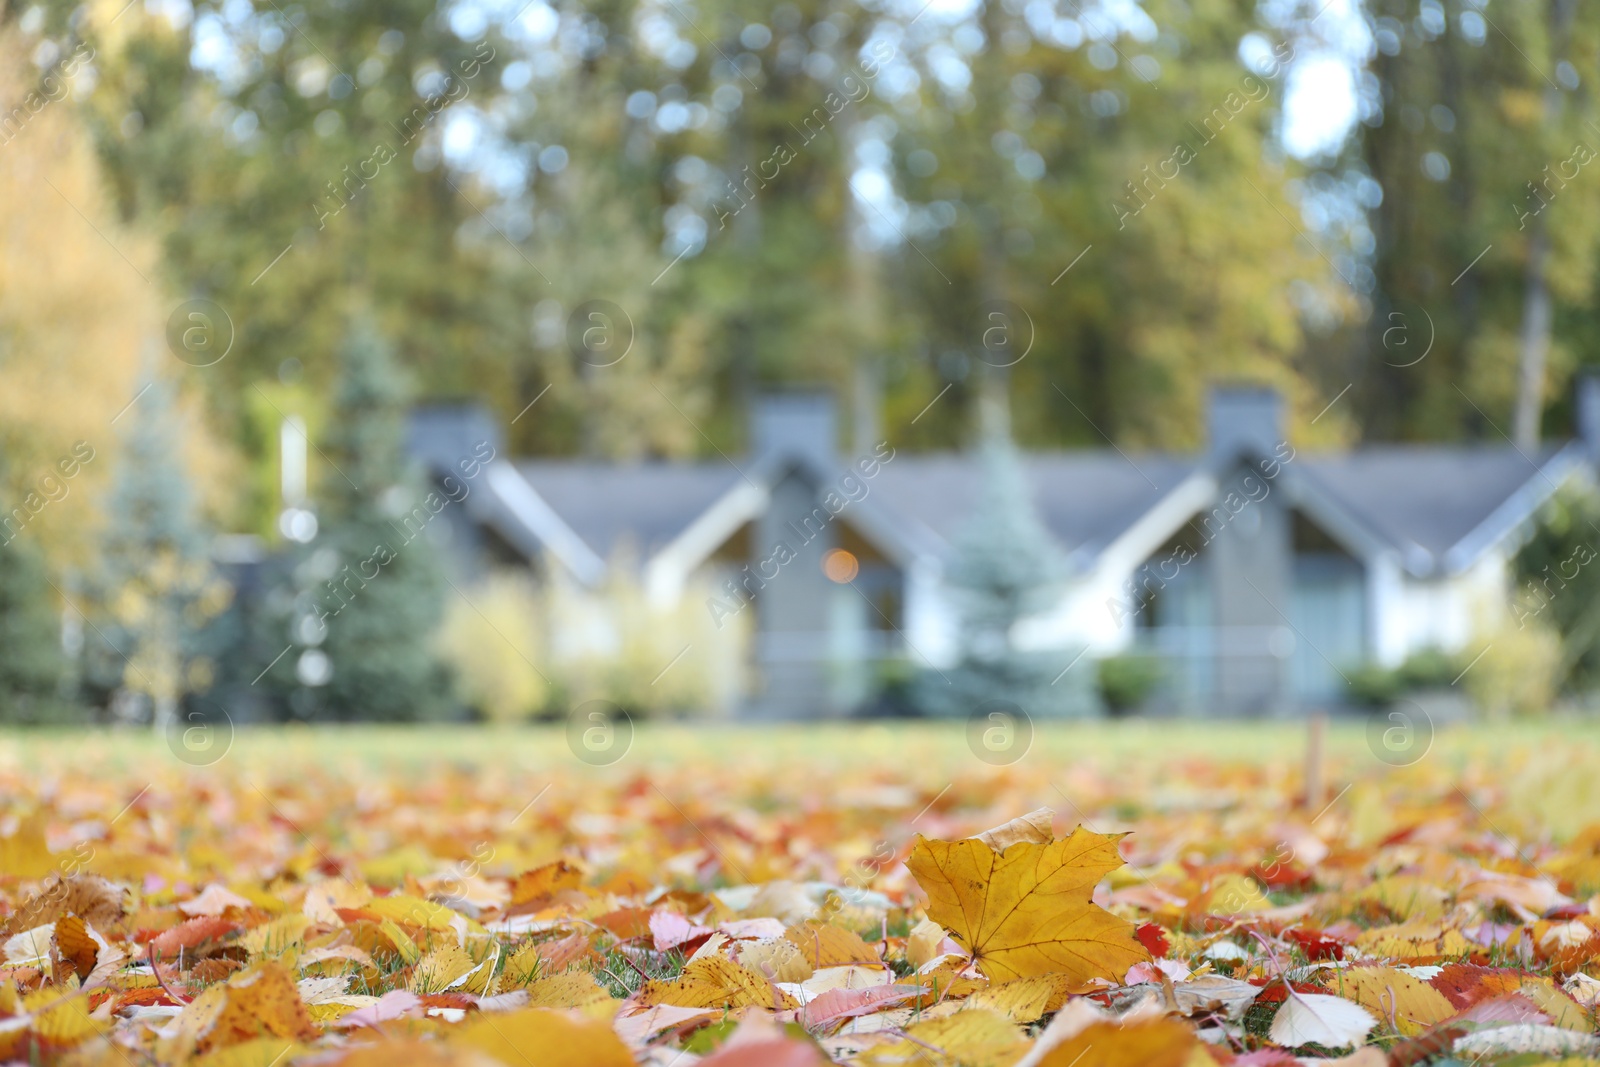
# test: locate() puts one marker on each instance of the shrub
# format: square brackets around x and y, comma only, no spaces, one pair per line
[492,638]
[1125,682]
[1518,672]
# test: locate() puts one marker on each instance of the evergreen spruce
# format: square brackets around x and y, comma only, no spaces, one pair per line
[153,588]
[1006,568]
[379,598]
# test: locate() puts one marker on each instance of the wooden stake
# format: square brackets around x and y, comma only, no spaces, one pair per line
[1316,724]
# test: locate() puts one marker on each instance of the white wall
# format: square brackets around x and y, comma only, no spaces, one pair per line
[1452,613]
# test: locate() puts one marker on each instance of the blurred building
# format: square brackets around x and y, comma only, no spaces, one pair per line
[1257,574]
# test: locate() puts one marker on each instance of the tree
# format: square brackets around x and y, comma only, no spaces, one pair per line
[1470,163]
[75,303]
[1006,568]
[32,667]
[153,587]
[368,649]
[1558,584]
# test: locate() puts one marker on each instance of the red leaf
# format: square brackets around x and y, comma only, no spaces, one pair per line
[1317,945]
[1153,938]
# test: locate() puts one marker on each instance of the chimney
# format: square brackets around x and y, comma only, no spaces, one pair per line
[796,424]
[1587,412]
[440,436]
[1243,419]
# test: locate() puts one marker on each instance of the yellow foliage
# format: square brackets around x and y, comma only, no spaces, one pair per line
[1026,911]
[492,637]
[82,313]
[1517,674]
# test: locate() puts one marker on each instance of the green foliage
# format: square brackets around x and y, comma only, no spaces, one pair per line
[1429,668]
[1468,141]
[32,668]
[1124,682]
[1558,584]
[153,589]
[382,591]
[1006,568]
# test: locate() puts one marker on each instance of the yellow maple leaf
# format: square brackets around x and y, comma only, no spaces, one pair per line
[1026,911]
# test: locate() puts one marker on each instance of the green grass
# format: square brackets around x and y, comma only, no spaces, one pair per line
[936,747]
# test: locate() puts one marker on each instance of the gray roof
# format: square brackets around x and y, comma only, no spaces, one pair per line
[1442,505]
[1434,497]
[1086,499]
[641,505]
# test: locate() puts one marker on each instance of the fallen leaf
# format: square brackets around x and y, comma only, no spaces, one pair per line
[1153,1043]
[75,945]
[560,1041]
[825,945]
[260,1002]
[214,900]
[1033,828]
[1316,1018]
[1027,911]
[716,982]
[1408,1002]
[539,885]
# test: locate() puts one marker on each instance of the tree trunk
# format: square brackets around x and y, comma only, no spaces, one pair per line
[1533,346]
[1534,343]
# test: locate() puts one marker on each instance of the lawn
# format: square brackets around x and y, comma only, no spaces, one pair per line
[446,894]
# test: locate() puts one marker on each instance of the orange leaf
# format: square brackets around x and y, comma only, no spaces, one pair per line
[540,884]
[75,944]
[260,1002]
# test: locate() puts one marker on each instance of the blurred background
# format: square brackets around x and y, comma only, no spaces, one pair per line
[467,360]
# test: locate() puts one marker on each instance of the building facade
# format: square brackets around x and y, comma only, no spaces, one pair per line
[1257,575]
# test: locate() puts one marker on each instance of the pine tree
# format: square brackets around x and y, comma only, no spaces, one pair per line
[381,600]
[31,664]
[1007,567]
[153,587]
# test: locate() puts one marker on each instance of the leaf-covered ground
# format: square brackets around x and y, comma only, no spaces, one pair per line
[793,897]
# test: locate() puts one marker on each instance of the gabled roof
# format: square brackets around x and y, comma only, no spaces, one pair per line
[1441,507]
[642,506]
[1085,499]
[1438,507]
